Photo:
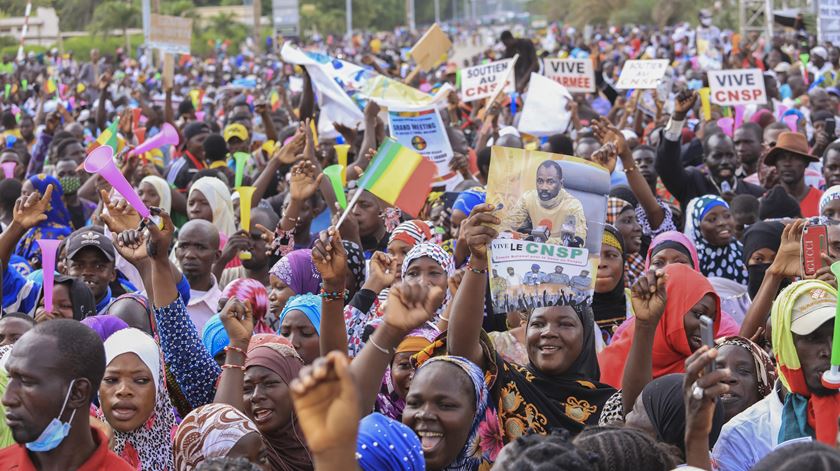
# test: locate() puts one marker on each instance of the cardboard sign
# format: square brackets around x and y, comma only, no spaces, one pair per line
[545,111]
[737,87]
[168,70]
[482,80]
[641,74]
[170,33]
[424,133]
[828,21]
[574,74]
[431,49]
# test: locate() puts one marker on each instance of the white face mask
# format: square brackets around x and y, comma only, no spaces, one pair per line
[706,21]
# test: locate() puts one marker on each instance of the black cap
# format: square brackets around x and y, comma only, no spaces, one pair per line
[90,238]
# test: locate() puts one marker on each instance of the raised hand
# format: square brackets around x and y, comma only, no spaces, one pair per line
[305,180]
[685,100]
[699,411]
[131,244]
[410,305]
[477,233]
[267,236]
[238,319]
[606,133]
[309,148]
[330,259]
[382,272]
[649,297]
[160,239]
[121,216]
[327,404]
[606,156]
[787,262]
[288,154]
[31,210]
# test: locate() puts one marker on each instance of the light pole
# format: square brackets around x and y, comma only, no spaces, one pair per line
[349,18]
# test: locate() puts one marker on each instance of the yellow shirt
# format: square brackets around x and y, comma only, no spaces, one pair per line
[530,210]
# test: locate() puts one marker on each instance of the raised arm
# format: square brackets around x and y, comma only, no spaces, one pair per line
[285,155]
[262,109]
[700,412]
[467,312]
[238,319]
[27,213]
[668,163]
[648,305]
[369,141]
[330,260]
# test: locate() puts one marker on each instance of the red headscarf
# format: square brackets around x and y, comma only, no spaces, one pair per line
[684,288]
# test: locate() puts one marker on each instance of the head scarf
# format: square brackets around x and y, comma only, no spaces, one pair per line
[610,308]
[468,459]
[298,272]
[214,337]
[830,195]
[251,290]
[356,264]
[57,225]
[149,446]
[388,402]
[439,256]
[761,235]
[665,407]
[218,196]
[634,264]
[84,304]
[104,325]
[411,233]
[799,412]
[673,240]
[209,431]
[616,206]
[287,450]
[309,305]
[163,190]
[385,443]
[469,199]
[765,371]
[725,262]
[684,288]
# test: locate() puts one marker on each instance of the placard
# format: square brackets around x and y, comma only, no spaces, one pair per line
[431,49]
[168,70]
[423,132]
[544,112]
[482,80]
[170,33]
[576,75]
[549,243]
[828,21]
[641,74]
[737,87]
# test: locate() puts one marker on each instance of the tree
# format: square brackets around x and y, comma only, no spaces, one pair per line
[114,14]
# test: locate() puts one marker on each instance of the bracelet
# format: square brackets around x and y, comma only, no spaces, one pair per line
[383,350]
[477,271]
[631,169]
[334,295]
[444,318]
[235,349]
[228,366]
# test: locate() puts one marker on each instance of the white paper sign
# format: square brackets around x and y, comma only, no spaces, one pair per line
[828,21]
[423,132]
[545,111]
[576,75]
[737,87]
[481,81]
[641,74]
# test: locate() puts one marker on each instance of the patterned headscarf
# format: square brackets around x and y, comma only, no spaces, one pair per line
[251,290]
[441,257]
[356,264]
[765,371]
[209,431]
[799,412]
[309,305]
[221,203]
[412,233]
[385,443]
[388,401]
[725,262]
[830,195]
[615,206]
[472,455]
[150,445]
[634,263]
[57,225]
[298,272]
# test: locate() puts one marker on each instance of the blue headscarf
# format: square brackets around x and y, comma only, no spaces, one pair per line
[309,305]
[56,226]
[384,443]
[469,199]
[214,337]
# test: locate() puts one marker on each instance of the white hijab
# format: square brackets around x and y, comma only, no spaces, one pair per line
[218,196]
[139,343]
[163,190]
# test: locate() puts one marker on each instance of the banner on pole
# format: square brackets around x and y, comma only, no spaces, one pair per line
[576,75]
[737,87]
[641,74]
[170,33]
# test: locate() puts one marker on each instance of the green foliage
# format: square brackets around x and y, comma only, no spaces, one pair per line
[114,14]
[82,45]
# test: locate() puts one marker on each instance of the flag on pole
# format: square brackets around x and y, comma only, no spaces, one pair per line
[399,176]
[275,100]
[108,137]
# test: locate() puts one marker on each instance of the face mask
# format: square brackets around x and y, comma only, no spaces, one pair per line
[755,276]
[70,184]
[706,21]
[56,431]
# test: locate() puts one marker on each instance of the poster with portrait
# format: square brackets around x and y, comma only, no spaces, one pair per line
[423,132]
[552,210]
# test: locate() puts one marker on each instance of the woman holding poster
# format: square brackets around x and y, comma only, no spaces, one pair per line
[559,385]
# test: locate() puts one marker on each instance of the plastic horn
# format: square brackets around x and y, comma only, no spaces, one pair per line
[48,249]
[167,135]
[334,174]
[792,121]
[739,115]
[341,151]
[245,195]
[725,125]
[9,169]
[241,159]
[101,161]
[831,377]
[705,103]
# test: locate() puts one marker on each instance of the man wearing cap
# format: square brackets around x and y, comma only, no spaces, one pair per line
[237,138]
[819,64]
[799,407]
[791,157]
[90,258]
[182,170]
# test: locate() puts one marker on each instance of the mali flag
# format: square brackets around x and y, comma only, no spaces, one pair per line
[275,100]
[108,137]
[399,176]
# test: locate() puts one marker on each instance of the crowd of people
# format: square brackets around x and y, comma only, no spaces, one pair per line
[186,341]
